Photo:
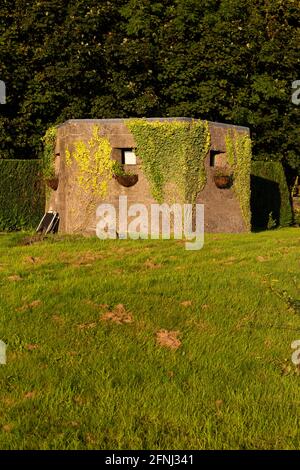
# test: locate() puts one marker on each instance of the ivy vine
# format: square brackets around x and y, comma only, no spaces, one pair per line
[239,155]
[172,154]
[118,170]
[48,156]
[94,163]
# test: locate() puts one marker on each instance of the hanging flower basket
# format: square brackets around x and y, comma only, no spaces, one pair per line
[52,183]
[223,181]
[127,180]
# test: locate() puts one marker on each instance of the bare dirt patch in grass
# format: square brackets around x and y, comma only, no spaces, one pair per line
[90,438]
[30,395]
[119,315]
[262,259]
[14,278]
[31,347]
[152,264]
[7,427]
[168,339]
[229,261]
[7,401]
[218,404]
[186,303]
[32,259]
[118,271]
[268,343]
[33,304]
[58,319]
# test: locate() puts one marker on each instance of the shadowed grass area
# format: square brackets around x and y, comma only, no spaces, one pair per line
[84,368]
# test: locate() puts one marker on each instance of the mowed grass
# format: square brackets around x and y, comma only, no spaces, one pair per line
[76,379]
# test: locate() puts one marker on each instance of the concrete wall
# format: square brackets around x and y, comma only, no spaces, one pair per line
[77,209]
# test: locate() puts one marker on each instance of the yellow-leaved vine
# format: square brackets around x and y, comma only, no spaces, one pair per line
[94,163]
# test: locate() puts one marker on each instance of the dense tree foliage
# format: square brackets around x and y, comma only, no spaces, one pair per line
[225,60]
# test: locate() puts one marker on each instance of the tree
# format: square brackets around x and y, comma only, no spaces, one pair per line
[224,60]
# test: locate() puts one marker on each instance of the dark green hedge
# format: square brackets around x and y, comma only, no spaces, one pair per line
[269,195]
[22,196]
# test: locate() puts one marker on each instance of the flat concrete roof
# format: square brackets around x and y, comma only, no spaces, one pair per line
[119,120]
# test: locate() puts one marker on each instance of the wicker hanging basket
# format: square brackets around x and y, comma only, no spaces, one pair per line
[127,180]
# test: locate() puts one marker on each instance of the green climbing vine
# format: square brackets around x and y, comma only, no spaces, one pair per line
[172,155]
[238,150]
[95,166]
[118,170]
[48,155]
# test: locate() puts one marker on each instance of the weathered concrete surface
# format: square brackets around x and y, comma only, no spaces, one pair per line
[222,211]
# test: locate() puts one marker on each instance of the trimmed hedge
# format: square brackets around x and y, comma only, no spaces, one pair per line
[270,197]
[22,195]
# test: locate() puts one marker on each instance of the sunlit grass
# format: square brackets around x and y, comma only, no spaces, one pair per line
[75,381]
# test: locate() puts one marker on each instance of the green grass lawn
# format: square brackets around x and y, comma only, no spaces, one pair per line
[84,372]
